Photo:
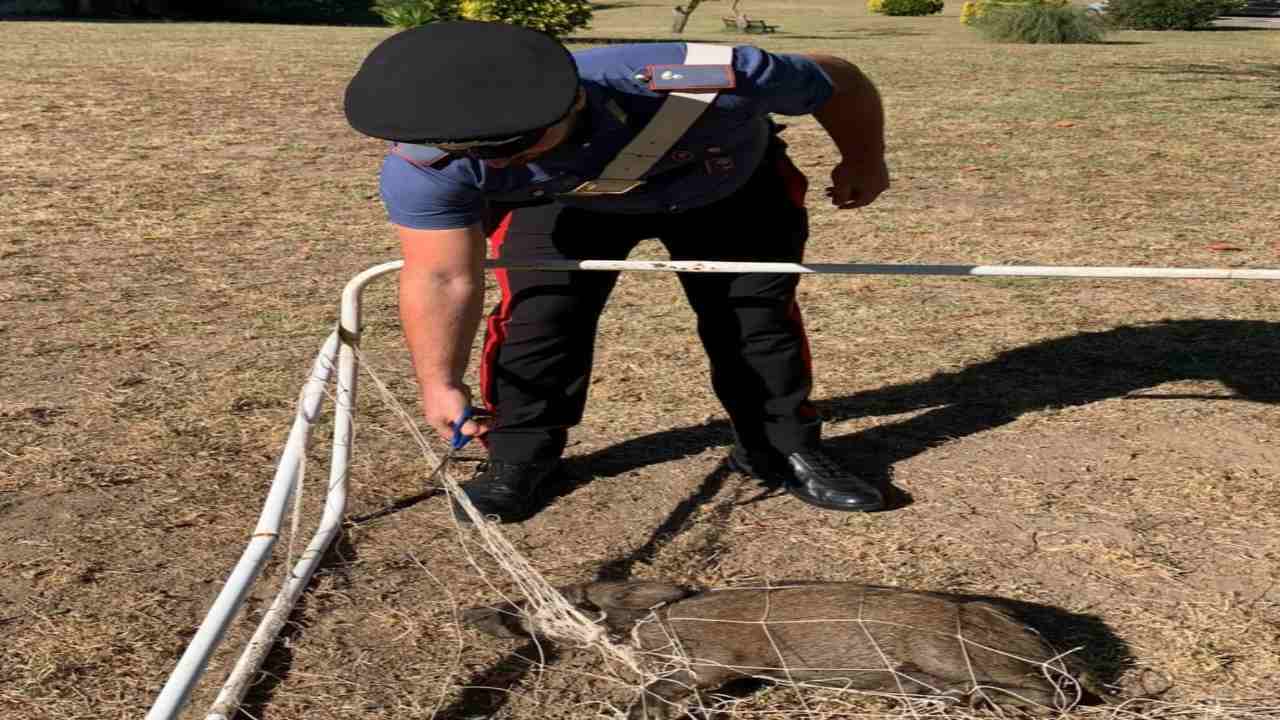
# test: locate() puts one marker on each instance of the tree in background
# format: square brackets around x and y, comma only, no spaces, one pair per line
[554,17]
[680,15]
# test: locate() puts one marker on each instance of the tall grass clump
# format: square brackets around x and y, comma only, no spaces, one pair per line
[1038,22]
[1168,14]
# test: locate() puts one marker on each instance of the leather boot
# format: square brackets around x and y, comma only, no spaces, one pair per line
[812,476]
[507,490]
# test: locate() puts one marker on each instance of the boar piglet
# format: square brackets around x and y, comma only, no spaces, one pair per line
[832,634]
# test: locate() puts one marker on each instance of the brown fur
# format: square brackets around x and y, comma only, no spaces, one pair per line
[906,642]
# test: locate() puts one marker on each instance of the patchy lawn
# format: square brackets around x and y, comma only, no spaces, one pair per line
[184,202]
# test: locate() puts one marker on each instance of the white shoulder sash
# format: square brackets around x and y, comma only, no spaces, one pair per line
[677,114]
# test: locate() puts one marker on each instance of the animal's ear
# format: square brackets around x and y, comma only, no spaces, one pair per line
[503,621]
[636,594]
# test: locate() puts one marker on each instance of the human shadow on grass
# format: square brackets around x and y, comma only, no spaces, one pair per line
[1060,372]
[397,505]
[675,523]
[486,692]
[256,705]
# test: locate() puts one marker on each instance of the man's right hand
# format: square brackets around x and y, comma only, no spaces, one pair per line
[442,407]
[441,290]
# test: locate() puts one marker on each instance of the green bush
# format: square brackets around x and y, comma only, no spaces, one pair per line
[1167,14]
[406,14]
[1038,22]
[911,7]
[554,17]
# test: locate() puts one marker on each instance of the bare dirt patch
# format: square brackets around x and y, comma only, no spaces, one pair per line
[184,202]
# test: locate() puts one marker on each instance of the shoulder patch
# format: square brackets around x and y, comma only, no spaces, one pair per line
[685,78]
[423,156]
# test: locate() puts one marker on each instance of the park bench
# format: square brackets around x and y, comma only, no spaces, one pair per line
[751,26]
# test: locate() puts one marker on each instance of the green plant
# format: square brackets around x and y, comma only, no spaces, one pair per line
[1038,22]
[554,17]
[973,9]
[406,14]
[1168,14]
[911,7]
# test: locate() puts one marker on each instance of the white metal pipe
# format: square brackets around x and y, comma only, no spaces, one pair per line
[1044,271]
[177,689]
[1041,271]
[255,652]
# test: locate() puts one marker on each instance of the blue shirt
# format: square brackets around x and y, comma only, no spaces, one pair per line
[714,158]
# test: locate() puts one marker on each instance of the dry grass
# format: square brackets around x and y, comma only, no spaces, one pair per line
[184,202]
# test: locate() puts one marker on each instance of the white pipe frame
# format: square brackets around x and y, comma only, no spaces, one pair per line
[341,345]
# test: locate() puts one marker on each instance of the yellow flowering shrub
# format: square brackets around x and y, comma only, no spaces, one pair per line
[476,9]
[875,6]
[973,9]
[555,17]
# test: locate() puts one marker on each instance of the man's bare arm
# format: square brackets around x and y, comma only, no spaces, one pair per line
[854,118]
[441,298]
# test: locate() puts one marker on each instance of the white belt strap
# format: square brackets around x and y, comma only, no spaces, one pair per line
[677,114]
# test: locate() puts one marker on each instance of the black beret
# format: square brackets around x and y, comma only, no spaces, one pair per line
[460,81]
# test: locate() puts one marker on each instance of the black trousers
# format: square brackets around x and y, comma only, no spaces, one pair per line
[539,342]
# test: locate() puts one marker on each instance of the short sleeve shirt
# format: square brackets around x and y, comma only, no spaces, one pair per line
[423,188]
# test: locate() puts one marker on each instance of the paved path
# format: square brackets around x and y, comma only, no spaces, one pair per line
[1263,23]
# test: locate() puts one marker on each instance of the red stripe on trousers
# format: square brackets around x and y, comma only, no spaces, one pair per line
[796,318]
[807,410]
[496,328]
[797,186]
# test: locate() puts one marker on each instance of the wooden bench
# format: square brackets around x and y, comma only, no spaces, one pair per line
[752,26]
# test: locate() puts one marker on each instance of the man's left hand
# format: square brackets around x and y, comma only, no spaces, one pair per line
[856,184]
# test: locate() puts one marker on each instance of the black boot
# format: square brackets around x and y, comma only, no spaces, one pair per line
[507,490]
[812,476]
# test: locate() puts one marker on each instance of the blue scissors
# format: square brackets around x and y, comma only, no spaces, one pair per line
[458,441]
